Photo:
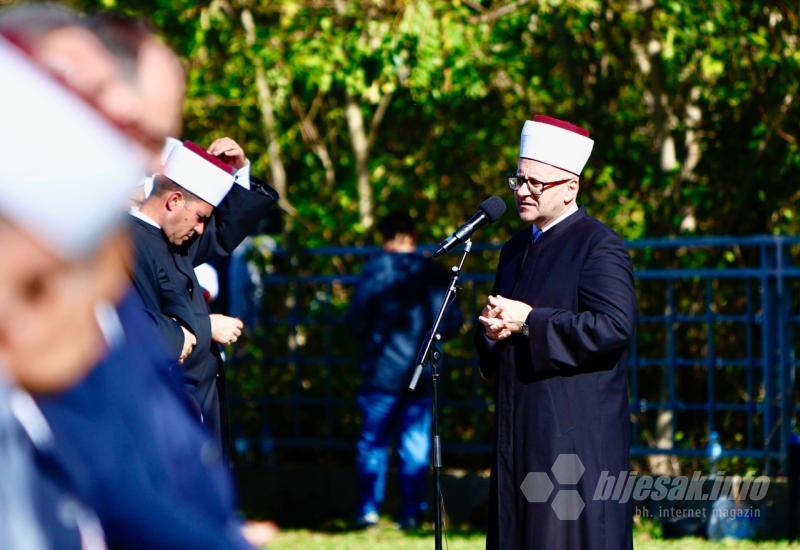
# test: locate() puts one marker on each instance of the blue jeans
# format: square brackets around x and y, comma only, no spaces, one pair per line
[385,417]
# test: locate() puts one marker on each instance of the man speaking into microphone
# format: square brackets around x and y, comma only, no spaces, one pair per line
[554,337]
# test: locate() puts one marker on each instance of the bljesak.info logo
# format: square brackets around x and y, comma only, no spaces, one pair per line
[559,487]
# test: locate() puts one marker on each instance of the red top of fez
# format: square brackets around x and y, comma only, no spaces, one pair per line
[209,157]
[544,119]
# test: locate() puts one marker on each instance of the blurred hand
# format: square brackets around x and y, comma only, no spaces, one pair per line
[225,330]
[189,342]
[259,533]
[228,151]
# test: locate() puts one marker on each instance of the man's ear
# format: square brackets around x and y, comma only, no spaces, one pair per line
[573,187]
[174,200]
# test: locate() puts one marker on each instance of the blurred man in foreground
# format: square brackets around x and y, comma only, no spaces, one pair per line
[58,279]
[125,436]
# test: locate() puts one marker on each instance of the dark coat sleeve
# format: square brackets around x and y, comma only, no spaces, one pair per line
[358,317]
[153,286]
[596,335]
[161,300]
[233,219]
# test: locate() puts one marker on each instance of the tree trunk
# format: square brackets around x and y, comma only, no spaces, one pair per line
[646,52]
[360,143]
[313,138]
[265,104]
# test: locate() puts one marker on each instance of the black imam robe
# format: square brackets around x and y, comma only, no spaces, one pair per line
[164,277]
[563,390]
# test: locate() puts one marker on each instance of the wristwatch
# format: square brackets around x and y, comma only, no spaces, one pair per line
[525,329]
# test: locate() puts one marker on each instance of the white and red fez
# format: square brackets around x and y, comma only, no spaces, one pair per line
[67,170]
[199,172]
[556,142]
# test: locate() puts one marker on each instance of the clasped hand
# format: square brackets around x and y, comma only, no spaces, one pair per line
[225,330]
[502,317]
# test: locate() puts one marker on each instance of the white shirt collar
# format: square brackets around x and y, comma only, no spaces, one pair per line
[136,213]
[30,417]
[571,209]
[109,323]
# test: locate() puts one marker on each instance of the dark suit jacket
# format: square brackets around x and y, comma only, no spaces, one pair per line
[38,500]
[163,275]
[129,443]
[563,390]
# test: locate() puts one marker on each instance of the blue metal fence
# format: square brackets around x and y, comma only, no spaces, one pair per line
[716,351]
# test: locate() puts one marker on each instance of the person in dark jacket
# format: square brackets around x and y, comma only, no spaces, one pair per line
[202,206]
[394,305]
[554,337]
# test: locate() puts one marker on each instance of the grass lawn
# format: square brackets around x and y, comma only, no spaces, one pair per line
[386,537]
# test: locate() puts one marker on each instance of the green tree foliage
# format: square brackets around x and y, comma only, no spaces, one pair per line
[377,105]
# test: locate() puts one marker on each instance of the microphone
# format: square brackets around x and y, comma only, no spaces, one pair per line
[488,212]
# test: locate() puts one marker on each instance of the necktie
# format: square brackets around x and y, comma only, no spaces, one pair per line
[536,234]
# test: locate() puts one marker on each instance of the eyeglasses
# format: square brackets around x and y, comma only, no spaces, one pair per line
[516,181]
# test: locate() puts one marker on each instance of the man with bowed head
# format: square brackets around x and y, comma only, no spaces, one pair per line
[554,338]
[202,206]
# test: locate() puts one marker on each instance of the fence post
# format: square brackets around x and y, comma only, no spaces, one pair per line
[784,301]
[769,356]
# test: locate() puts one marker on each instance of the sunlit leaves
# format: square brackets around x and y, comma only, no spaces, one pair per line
[462,78]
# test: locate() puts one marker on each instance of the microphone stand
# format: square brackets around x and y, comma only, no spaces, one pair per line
[431,353]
